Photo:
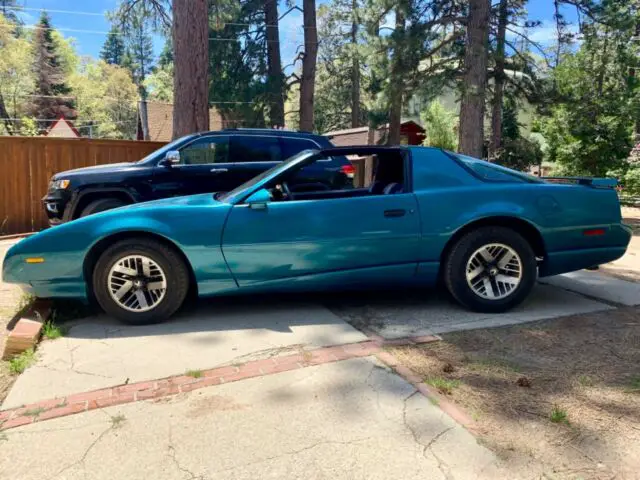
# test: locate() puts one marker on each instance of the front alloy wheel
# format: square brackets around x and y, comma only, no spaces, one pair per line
[137,283]
[490,269]
[140,280]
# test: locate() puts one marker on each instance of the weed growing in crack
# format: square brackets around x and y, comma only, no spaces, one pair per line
[52,331]
[444,385]
[559,415]
[3,437]
[20,363]
[585,381]
[35,412]
[61,404]
[194,373]
[117,421]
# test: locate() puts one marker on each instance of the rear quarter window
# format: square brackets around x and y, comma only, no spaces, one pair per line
[491,172]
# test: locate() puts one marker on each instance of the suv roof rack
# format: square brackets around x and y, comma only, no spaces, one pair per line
[274,130]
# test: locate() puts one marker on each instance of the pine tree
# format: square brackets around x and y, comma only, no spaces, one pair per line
[52,95]
[140,50]
[113,49]
[166,56]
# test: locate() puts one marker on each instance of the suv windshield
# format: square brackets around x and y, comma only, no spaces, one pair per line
[493,172]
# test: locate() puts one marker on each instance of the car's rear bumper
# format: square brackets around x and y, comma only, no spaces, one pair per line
[569,261]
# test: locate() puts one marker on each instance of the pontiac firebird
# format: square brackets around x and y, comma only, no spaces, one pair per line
[486,231]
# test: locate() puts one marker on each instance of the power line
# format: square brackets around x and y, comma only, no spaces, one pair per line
[120,34]
[101,14]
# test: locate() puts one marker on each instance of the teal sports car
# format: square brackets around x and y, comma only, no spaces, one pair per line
[486,231]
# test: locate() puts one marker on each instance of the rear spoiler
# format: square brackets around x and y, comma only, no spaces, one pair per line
[587,181]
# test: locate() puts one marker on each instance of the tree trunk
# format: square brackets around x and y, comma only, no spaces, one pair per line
[8,123]
[355,69]
[472,105]
[308,80]
[274,64]
[499,79]
[191,61]
[397,83]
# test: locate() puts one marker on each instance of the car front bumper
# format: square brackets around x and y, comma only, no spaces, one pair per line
[58,207]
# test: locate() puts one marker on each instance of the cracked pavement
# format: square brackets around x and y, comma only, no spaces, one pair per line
[353,419]
[99,352]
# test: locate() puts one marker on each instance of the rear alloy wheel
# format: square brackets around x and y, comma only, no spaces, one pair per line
[140,281]
[491,269]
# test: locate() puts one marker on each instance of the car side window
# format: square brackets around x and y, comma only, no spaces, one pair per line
[205,151]
[293,146]
[249,148]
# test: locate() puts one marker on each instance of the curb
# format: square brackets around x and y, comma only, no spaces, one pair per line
[26,327]
[154,389]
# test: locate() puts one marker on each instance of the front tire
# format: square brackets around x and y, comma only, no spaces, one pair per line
[491,270]
[101,205]
[140,281]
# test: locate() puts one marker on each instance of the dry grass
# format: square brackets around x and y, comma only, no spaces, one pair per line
[559,398]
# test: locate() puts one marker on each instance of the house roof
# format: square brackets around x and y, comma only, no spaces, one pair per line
[350,131]
[160,119]
[62,128]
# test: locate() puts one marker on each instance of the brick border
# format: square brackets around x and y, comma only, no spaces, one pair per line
[154,389]
[25,328]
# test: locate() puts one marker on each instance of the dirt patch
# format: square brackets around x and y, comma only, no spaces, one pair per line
[558,399]
[215,403]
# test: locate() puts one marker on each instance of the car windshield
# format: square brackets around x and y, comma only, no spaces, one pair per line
[240,191]
[162,151]
[493,172]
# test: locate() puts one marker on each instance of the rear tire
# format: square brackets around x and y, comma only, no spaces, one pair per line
[101,205]
[140,281]
[490,270]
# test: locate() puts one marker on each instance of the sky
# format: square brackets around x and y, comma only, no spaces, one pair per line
[86,23]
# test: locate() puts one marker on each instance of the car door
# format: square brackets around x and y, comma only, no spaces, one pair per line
[293,239]
[204,167]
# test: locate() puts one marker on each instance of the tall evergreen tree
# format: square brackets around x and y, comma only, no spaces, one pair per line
[52,94]
[113,49]
[166,56]
[139,46]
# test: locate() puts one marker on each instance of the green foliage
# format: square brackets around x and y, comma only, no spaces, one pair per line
[559,415]
[237,67]
[590,123]
[159,84]
[441,125]
[334,73]
[16,77]
[20,363]
[113,49]
[106,97]
[443,385]
[52,331]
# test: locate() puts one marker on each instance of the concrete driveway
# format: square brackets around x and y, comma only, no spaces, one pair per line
[347,420]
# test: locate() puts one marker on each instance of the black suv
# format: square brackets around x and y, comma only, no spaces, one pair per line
[200,163]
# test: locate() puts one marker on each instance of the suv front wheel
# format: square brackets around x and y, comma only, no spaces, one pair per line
[101,205]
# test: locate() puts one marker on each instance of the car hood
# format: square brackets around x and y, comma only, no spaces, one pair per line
[111,167]
[191,200]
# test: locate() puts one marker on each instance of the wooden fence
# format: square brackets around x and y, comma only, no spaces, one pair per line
[27,164]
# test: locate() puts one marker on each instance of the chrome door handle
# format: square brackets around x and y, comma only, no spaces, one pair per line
[219,170]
